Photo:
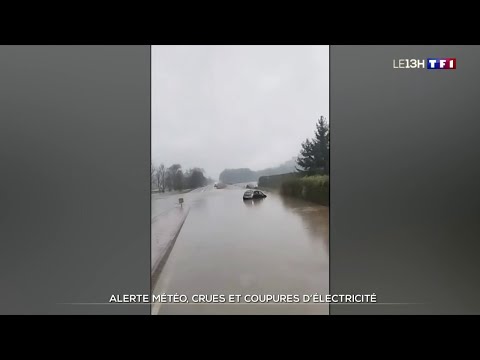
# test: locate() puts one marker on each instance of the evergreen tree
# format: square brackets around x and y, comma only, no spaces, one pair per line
[314,155]
[306,160]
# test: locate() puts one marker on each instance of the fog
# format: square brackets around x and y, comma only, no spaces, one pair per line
[218,107]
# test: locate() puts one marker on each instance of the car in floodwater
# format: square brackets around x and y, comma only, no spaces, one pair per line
[253,194]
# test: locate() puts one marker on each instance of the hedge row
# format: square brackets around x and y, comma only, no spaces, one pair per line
[311,188]
[275,181]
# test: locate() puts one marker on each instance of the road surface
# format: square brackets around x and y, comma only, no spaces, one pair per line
[230,247]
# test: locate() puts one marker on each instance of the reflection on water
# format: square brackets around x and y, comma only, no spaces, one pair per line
[199,202]
[253,202]
[315,217]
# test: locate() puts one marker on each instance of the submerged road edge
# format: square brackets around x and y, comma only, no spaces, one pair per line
[158,267]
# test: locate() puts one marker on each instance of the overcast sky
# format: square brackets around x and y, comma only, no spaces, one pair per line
[218,107]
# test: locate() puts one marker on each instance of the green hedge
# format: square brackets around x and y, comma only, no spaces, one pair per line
[311,188]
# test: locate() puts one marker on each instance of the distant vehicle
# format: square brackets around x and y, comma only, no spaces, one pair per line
[253,194]
[251,186]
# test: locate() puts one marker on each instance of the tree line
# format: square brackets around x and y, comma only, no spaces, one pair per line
[232,176]
[174,178]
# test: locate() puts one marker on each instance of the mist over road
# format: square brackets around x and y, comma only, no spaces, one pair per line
[233,247]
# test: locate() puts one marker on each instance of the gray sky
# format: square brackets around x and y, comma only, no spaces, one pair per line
[218,107]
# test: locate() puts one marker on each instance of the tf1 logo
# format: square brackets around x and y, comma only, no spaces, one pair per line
[430,63]
[443,64]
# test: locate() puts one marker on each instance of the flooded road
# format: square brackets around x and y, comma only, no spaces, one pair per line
[228,246]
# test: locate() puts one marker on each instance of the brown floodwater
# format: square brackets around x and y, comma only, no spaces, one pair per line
[227,246]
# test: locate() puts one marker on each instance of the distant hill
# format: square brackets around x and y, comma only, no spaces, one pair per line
[232,176]
[285,168]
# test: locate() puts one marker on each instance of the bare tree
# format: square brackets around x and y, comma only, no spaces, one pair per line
[160,177]
[152,173]
[163,177]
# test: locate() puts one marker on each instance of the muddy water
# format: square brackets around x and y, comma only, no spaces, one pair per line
[228,246]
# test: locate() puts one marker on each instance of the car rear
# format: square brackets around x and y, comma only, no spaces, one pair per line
[248,195]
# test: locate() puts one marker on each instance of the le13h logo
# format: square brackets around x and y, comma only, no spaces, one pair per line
[430,64]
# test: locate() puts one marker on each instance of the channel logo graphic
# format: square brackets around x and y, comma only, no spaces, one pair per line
[429,64]
[442,64]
